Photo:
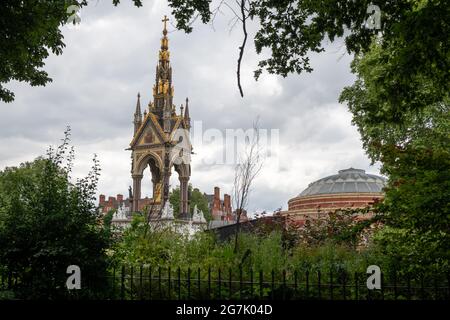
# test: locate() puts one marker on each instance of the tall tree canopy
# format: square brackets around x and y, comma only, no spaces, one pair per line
[415,154]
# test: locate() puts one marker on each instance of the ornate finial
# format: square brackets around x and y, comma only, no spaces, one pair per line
[181,108]
[137,114]
[187,118]
[165,25]
[164,52]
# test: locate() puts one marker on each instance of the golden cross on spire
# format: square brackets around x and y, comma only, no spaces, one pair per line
[165,21]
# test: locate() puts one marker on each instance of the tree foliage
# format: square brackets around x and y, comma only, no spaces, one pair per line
[415,154]
[29,31]
[197,198]
[416,31]
[256,251]
[48,223]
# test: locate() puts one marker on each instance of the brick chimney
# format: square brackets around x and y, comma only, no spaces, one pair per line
[102,199]
[216,201]
[111,201]
[216,212]
[227,204]
[119,197]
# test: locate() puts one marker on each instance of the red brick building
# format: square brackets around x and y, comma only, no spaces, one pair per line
[221,210]
[118,201]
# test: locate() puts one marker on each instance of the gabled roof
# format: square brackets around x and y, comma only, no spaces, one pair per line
[151,120]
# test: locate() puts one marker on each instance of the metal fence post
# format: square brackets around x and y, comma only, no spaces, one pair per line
[131,283]
[140,283]
[229,284]
[261,284]
[307,283]
[251,283]
[220,284]
[319,285]
[114,284]
[169,282]
[331,284]
[395,285]
[9,280]
[344,276]
[422,289]
[122,284]
[409,287]
[436,292]
[240,283]
[150,281]
[198,284]
[209,282]
[189,283]
[273,285]
[179,283]
[159,282]
[295,283]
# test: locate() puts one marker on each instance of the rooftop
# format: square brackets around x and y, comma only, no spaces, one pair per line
[346,181]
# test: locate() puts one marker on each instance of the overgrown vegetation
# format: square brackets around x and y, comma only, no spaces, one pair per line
[48,222]
[269,247]
[266,251]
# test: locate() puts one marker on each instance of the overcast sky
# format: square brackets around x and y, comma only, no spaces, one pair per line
[112,55]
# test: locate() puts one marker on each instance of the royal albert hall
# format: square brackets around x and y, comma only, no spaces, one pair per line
[350,188]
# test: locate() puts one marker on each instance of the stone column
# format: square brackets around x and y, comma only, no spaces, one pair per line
[157,190]
[184,206]
[137,178]
[165,188]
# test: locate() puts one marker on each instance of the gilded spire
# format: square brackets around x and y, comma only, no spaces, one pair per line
[163,89]
[163,82]
[164,52]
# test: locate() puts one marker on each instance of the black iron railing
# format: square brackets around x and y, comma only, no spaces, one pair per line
[156,283]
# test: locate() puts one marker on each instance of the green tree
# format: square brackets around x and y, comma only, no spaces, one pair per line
[48,223]
[415,154]
[29,31]
[197,198]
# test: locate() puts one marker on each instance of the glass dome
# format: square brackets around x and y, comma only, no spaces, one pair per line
[346,181]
